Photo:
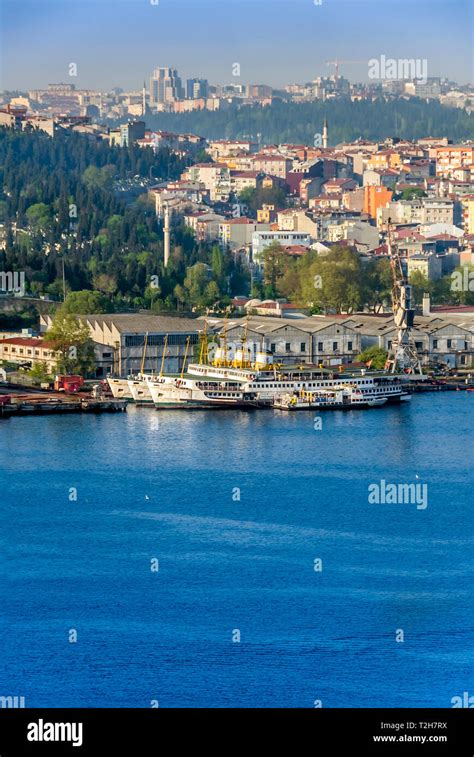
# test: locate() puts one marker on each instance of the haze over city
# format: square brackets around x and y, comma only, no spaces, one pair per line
[119,42]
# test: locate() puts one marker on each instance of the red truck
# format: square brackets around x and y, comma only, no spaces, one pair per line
[69,384]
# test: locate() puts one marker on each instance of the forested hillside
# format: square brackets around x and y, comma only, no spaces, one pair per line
[291,122]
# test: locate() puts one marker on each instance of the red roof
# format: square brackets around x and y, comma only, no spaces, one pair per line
[443,238]
[244,174]
[338,182]
[273,305]
[267,158]
[452,309]
[296,249]
[26,342]
[242,219]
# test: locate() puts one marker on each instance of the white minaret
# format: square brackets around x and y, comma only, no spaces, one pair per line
[325,133]
[167,234]
[144,99]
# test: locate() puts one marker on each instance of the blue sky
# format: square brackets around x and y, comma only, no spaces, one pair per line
[119,42]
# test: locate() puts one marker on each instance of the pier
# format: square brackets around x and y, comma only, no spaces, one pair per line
[33,404]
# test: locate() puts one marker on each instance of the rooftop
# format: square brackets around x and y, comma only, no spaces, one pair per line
[140,323]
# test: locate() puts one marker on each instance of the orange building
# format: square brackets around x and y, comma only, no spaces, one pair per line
[374,198]
[452,157]
[385,159]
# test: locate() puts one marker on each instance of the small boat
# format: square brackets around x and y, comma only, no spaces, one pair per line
[342,398]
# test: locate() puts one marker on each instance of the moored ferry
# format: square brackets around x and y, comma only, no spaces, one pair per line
[120,388]
[188,392]
[341,398]
[276,380]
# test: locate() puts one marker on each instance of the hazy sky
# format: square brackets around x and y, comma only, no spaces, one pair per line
[119,42]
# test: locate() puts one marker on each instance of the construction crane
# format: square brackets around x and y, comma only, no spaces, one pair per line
[336,63]
[403,354]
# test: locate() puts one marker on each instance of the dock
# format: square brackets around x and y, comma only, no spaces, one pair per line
[34,405]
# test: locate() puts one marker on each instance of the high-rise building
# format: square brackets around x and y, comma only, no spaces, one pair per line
[196,89]
[259,91]
[165,86]
[130,132]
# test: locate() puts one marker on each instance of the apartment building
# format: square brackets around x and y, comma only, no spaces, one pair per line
[274,165]
[263,239]
[237,233]
[451,157]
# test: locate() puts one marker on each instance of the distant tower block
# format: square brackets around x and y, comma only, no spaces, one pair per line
[325,133]
[167,235]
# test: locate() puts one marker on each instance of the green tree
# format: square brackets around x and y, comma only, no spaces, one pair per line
[273,268]
[412,193]
[217,263]
[86,302]
[256,198]
[420,284]
[181,296]
[195,282]
[39,216]
[374,355]
[70,339]
[333,282]
[203,157]
[211,293]
[39,373]
[105,283]
[377,283]
[100,178]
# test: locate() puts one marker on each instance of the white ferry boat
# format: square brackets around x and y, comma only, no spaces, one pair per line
[188,391]
[272,380]
[191,393]
[341,398]
[120,388]
[140,390]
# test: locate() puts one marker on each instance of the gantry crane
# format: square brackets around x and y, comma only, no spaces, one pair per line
[403,354]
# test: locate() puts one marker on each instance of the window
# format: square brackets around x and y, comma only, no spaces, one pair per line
[105,355]
[157,340]
[389,344]
[320,346]
[287,347]
[334,346]
[349,346]
[450,342]
[435,344]
[273,347]
[419,345]
[303,347]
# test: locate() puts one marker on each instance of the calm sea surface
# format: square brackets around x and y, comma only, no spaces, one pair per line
[233,509]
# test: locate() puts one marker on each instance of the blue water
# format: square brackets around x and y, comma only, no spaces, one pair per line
[163,485]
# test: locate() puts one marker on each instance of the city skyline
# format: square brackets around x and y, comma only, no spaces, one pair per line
[130,38]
